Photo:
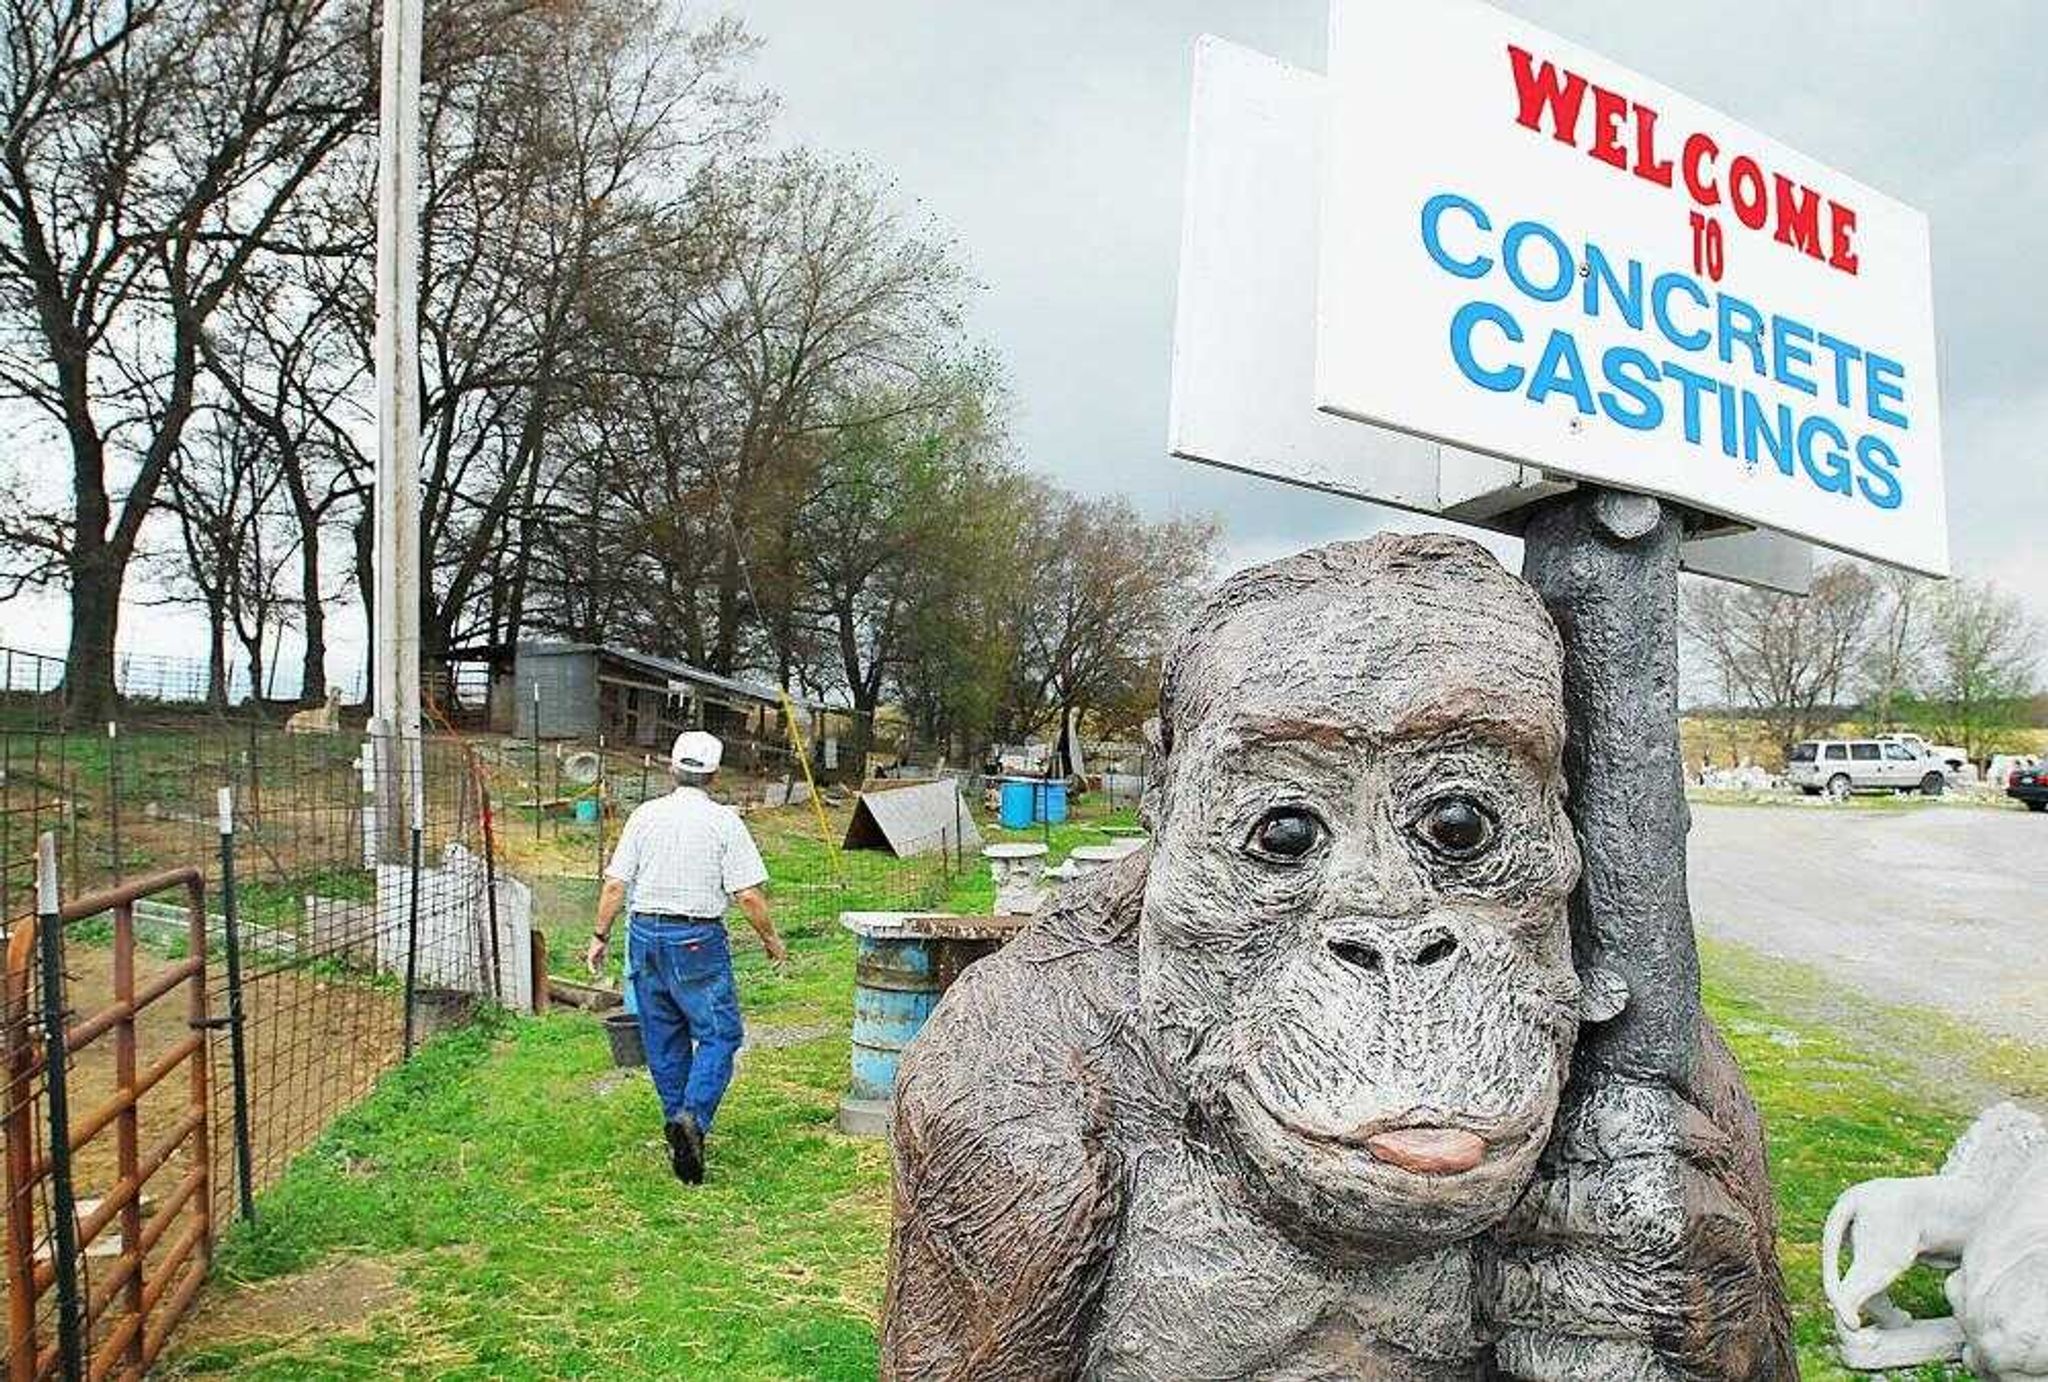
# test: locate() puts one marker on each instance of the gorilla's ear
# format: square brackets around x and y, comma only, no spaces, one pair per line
[1151,807]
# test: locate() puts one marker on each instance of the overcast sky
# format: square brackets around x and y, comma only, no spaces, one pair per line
[1049,138]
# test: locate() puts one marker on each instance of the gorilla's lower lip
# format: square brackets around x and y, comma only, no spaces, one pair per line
[1429,1151]
[1416,1148]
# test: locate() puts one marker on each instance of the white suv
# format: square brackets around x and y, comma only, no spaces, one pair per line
[1841,766]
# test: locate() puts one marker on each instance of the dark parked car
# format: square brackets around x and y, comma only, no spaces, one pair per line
[2030,785]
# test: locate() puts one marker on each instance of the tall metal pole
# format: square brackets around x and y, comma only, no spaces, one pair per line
[231,936]
[396,712]
[71,1324]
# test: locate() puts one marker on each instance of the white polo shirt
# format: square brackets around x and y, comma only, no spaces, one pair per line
[685,855]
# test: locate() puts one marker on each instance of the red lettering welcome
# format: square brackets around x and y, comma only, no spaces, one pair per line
[1622,133]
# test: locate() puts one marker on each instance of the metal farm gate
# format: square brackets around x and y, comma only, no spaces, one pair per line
[113,1100]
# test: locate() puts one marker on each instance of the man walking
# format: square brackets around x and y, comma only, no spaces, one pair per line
[683,858]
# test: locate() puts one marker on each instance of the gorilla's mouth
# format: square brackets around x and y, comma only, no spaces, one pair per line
[1433,1147]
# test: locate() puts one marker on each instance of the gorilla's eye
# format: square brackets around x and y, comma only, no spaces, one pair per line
[1455,827]
[1286,833]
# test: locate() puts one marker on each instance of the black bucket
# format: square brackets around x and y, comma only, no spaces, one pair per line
[624,1030]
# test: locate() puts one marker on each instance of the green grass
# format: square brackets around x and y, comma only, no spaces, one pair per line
[520,1188]
[516,1186]
[268,901]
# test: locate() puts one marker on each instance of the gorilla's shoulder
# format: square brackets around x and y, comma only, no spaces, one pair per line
[1008,1158]
[1041,1030]
[1065,986]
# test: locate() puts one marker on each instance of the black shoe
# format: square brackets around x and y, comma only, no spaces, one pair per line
[686,1150]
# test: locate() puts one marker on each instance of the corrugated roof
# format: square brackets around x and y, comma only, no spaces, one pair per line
[670,668]
[921,818]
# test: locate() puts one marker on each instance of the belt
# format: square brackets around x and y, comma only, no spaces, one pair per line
[677,919]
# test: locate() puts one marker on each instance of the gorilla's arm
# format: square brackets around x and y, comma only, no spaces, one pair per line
[1647,1246]
[1008,1183]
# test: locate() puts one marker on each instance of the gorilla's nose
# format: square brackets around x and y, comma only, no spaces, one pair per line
[1430,946]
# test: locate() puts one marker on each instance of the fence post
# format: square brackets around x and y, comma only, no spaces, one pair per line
[56,1103]
[536,761]
[7,808]
[494,956]
[412,908]
[114,799]
[598,789]
[255,774]
[245,1173]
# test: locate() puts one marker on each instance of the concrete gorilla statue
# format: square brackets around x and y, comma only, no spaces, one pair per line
[1281,1098]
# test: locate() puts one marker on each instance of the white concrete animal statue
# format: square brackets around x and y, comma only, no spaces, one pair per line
[1985,1219]
[325,719]
[2000,1293]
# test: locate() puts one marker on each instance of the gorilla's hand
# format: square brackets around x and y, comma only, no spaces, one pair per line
[1645,1247]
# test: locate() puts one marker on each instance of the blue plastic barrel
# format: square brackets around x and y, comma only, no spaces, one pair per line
[1016,805]
[1053,803]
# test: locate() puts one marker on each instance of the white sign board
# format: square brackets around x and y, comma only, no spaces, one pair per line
[1536,253]
[1244,331]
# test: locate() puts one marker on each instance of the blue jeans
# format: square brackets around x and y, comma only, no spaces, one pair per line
[689,1012]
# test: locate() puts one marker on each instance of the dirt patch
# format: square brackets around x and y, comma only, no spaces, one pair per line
[315,1047]
[334,1297]
[773,1038]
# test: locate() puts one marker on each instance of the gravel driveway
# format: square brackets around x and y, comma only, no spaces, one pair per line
[1943,907]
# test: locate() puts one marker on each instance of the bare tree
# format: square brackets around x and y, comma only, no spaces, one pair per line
[1899,646]
[889,494]
[1789,660]
[1105,588]
[283,360]
[817,297]
[1983,665]
[152,152]
[235,541]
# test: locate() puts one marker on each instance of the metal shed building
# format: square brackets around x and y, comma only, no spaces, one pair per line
[581,690]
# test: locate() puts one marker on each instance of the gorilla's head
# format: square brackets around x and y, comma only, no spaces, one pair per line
[1354,948]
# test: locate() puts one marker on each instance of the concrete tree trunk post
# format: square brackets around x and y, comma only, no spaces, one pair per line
[1606,566]
[395,716]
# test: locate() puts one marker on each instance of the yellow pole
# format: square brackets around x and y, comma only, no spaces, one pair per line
[803,758]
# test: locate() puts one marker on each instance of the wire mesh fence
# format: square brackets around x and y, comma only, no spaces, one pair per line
[345,906]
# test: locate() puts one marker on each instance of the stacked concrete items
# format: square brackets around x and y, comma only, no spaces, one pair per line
[1747,778]
[1017,870]
[1087,859]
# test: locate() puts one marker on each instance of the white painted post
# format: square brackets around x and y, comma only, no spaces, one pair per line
[395,715]
[397,350]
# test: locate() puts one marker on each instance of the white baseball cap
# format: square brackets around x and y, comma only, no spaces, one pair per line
[696,752]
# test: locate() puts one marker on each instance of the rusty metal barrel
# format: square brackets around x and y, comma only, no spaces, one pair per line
[903,963]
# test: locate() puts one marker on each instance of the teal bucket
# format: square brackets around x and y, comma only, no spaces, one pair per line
[586,811]
[1052,802]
